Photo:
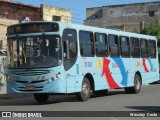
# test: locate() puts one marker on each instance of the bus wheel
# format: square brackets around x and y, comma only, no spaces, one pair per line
[137,85]
[41,98]
[84,95]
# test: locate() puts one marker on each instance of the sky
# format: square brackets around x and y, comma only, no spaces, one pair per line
[78,7]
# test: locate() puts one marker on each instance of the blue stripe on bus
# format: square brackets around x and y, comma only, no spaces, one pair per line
[123,71]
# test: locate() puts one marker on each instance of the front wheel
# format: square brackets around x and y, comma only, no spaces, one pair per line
[41,98]
[137,85]
[85,93]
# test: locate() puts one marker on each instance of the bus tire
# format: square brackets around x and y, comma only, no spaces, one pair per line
[84,95]
[137,85]
[41,98]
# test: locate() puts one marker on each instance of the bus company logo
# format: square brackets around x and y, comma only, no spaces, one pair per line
[137,63]
[6,114]
[29,81]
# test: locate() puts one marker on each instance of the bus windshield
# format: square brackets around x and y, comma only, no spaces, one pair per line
[34,52]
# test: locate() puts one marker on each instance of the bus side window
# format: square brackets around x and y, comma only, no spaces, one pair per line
[70,37]
[113,45]
[86,43]
[135,47]
[144,48]
[152,48]
[124,46]
[101,45]
[69,47]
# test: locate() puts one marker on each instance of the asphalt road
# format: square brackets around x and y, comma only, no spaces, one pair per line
[147,100]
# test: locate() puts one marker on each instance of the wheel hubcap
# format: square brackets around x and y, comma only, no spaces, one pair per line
[85,89]
[137,84]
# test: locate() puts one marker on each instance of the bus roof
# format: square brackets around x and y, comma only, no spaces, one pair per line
[93,29]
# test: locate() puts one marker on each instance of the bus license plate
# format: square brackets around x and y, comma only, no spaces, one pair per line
[30,87]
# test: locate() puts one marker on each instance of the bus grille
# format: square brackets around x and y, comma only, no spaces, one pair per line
[31,72]
[36,89]
[37,81]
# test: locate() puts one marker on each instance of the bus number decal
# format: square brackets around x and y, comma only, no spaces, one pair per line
[87,64]
[77,68]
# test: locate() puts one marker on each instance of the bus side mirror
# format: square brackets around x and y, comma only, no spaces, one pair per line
[66,49]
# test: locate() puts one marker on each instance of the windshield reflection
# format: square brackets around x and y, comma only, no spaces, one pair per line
[33,52]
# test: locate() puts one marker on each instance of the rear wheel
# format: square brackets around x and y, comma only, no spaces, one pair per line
[137,85]
[84,95]
[41,98]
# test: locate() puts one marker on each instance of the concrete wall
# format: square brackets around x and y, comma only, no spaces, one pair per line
[127,17]
[18,11]
[14,12]
[4,23]
[49,11]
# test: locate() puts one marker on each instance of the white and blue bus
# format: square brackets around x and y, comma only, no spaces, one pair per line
[48,58]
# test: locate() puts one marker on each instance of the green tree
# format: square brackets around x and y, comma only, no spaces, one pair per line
[154,30]
[135,30]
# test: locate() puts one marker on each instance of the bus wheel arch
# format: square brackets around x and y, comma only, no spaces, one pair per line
[87,86]
[137,84]
[91,80]
[138,73]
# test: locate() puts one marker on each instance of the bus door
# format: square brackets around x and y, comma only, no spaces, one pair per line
[152,62]
[101,53]
[70,58]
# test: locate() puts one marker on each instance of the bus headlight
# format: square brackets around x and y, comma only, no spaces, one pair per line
[58,75]
[50,80]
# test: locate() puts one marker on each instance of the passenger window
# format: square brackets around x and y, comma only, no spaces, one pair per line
[101,45]
[69,47]
[113,46]
[86,43]
[70,36]
[152,48]
[124,45]
[135,47]
[144,48]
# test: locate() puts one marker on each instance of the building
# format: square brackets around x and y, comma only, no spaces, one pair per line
[51,13]
[127,17]
[15,12]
